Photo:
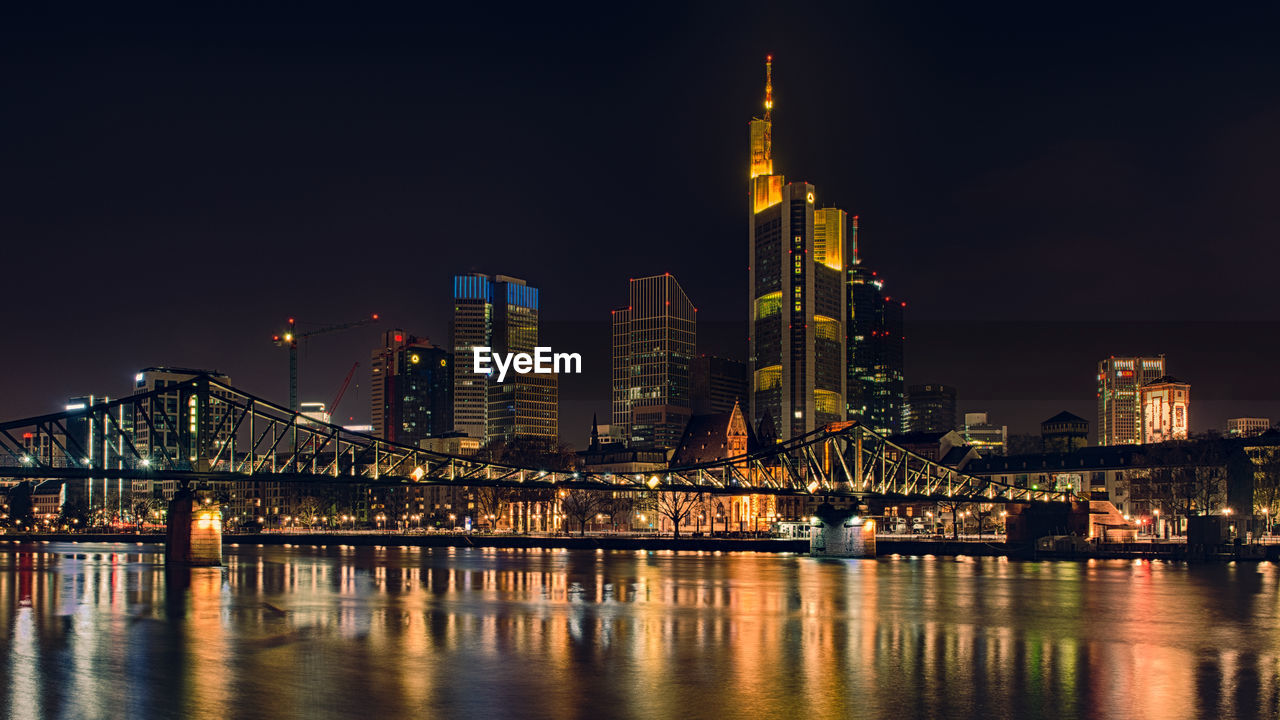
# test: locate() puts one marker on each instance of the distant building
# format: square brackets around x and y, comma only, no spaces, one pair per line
[454,443]
[719,436]
[411,392]
[501,313]
[1120,381]
[1064,433]
[653,348]
[945,448]
[716,384]
[1247,426]
[931,408]
[315,411]
[984,437]
[875,389]
[164,426]
[1166,410]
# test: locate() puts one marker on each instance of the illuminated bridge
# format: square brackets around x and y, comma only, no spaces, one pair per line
[203,431]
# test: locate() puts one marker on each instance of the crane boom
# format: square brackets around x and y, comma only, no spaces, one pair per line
[333,409]
[290,338]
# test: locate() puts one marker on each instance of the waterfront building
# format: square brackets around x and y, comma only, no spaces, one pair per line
[1120,380]
[653,347]
[931,408]
[716,384]
[796,297]
[1166,410]
[1064,433]
[988,439]
[1247,426]
[501,313]
[411,388]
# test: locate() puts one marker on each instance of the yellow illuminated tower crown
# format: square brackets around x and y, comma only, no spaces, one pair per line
[766,188]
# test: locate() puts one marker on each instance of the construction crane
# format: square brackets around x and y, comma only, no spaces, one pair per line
[290,338]
[333,409]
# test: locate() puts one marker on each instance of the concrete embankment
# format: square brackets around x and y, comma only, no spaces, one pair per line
[886,547]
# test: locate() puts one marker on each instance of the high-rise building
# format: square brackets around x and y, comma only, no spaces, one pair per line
[653,346]
[875,382]
[931,408]
[1166,410]
[501,313]
[797,299]
[986,438]
[717,383]
[168,426]
[1247,426]
[1120,380]
[411,392]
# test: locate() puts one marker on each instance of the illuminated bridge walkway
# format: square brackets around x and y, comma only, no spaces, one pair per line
[203,431]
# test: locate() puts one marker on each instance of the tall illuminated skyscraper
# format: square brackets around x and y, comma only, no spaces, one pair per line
[653,348]
[411,392]
[1120,380]
[797,297]
[501,313]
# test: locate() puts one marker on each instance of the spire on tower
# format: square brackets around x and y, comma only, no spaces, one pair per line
[768,87]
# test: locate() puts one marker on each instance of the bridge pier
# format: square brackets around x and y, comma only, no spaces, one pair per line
[193,535]
[841,532]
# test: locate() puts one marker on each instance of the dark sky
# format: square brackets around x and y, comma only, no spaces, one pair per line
[1043,186]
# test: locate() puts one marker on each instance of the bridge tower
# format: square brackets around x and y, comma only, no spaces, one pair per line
[193,535]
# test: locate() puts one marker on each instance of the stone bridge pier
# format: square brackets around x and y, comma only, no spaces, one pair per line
[193,535]
[841,532]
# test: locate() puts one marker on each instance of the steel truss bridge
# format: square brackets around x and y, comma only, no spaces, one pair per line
[202,431]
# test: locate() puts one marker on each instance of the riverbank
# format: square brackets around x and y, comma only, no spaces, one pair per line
[885,547]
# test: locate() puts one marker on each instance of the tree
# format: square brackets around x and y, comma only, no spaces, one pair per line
[21,509]
[308,510]
[582,505]
[618,506]
[1266,483]
[676,506]
[492,502]
[74,514]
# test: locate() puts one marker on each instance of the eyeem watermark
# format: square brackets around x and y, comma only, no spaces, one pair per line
[541,362]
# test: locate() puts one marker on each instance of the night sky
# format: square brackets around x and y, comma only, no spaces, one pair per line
[1042,187]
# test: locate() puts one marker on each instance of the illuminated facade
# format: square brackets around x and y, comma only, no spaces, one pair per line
[411,389]
[174,421]
[653,347]
[986,438]
[1166,406]
[501,313]
[1120,380]
[875,386]
[1247,426]
[797,299]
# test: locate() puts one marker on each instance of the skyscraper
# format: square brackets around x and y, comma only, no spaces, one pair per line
[653,346]
[797,297]
[501,313]
[875,335]
[411,393]
[931,408]
[1119,403]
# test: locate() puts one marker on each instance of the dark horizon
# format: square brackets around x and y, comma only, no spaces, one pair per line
[1042,188]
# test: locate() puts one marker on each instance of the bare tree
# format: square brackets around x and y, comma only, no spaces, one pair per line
[308,510]
[581,505]
[676,506]
[492,502]
[619,506]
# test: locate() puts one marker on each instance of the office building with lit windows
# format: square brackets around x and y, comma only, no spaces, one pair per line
[1247,426]
[165,426]
[717,384]
[654,338]
[501,313]
[931,408]
[797,297]
[1120,381]
[875,381]
[411,389]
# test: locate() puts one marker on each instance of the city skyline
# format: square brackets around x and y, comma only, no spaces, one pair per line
[102,210]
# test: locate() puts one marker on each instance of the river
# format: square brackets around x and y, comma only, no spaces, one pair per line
[102,631]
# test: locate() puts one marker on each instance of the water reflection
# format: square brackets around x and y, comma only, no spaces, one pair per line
[104,631]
